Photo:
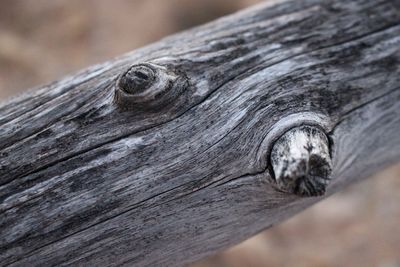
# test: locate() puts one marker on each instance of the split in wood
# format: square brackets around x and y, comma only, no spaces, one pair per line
[148,86]
[301,161]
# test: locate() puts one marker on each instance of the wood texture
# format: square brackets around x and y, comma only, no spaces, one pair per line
[84,182]
[301,161]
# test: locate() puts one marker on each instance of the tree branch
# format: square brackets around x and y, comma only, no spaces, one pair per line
[163,156]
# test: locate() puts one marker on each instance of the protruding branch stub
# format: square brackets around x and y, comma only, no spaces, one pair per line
[150,87]
[301,161]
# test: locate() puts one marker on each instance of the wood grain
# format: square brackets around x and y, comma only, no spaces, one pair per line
[301,161]
[84,182]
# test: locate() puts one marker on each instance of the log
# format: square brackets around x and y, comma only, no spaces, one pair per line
[190,145]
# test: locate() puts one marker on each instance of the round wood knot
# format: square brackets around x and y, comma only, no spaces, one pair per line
[149,87]
[301,161]
[136,79]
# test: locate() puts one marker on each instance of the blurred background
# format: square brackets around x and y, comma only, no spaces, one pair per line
[43,40]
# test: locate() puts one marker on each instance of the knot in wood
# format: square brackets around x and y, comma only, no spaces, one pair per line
[301,161]
[149,87]
[136,79]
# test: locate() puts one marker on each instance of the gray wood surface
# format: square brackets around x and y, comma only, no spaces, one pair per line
[89,177]
[301,161]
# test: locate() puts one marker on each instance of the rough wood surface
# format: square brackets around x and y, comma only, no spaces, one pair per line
[86,182]
[301,161]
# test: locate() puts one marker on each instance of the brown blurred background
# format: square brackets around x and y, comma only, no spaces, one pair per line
[42,40]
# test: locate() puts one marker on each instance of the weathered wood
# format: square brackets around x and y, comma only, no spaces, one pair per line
[301,162]
[90,177]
